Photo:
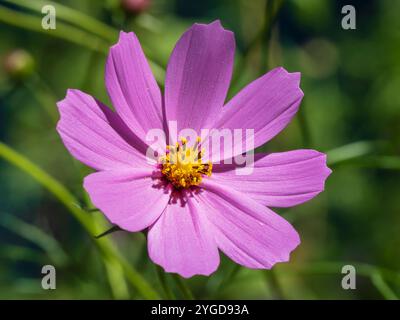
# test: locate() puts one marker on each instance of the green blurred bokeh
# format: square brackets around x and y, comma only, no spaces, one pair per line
[351,110]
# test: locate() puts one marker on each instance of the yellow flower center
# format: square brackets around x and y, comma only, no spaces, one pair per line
[182,165]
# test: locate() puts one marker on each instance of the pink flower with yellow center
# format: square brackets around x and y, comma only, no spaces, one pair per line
[192,207]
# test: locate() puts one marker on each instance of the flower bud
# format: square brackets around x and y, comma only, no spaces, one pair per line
[19,64]
[135,6]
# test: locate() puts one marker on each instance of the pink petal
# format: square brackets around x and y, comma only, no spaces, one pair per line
[131,86]
[132,199]
[181,241]
[266,105]
[279,179]
[198,75]
[94,134]
[246,231]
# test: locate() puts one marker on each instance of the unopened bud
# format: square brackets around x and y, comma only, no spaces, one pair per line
[19,64]
[135,6]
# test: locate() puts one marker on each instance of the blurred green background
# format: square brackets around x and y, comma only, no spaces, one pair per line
[351,110]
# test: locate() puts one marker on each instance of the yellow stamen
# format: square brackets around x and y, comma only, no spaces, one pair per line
[182,165]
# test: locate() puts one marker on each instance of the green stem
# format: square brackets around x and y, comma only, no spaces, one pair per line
[262,34]
[68,33]
[272,8]
[44,96]
[106,247]
[116,279]
[63,31]
[71,16]
[380,162]
[383,287]
[350,151]
[35,235]
[363,153]
[229,277]
[303,124]
[187,294]
[272,279]
[164,284]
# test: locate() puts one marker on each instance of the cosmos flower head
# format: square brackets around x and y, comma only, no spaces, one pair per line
[189,198]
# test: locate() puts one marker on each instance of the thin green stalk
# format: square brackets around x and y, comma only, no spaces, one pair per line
[69,33]
[60,192]
[363,153]
[107,248]
[116,279]
[350,151]
[63,31]
[43,95]
[272,8]
[272,279]
[114,270]
[35,235]
[19,253]
[381,162]
[383,287]
[169,294]
[229,278]
[303,124]
[187,294]
[71,16]
[262,34]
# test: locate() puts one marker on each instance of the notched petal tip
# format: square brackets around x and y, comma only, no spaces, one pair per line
[218,25]
[61,104]
[293,76]
[216,22]
[324,163]
[326,169]
[122,38]
[327,172]
[215,26]
[68,93]
[288,256]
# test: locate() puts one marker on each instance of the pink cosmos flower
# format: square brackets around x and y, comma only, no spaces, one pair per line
[192,209]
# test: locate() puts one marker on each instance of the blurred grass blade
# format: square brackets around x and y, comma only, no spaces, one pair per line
[187,294]
[58,190]
[71,34]
[272,278]
[71,16]
[19,253]
[43,95]
[363,153]
[383,287]
[272,8]
[33,234]
[115,274]
[228,279]
[62,31]
[107,248]
[383,162]
[350,151]
[164,283]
